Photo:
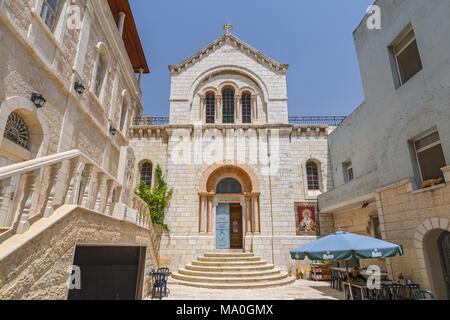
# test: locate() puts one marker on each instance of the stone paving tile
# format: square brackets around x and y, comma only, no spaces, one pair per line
[300,290]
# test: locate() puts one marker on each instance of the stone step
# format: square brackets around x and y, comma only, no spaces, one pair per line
[234,286]
[228,259]
[225,274]
[229,280]
[230,269]
[228,254]
[229,264]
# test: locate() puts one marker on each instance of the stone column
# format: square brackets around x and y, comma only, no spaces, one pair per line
[30,188]
[121,24]
[254,107]
[238,108]
[256,226]
[219,109]
[202,116]
[52,181]
[248,213]
[202,216]
[210,212]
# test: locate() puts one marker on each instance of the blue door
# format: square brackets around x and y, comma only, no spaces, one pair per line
[223,226]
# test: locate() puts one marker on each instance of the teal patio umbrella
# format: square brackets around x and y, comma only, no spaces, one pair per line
[346,246]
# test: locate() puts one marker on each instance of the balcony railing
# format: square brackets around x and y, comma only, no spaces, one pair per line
[317,120]
[304,120]
[151,121]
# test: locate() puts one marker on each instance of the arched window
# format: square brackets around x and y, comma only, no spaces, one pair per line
[16,130]
[312,173]
[123,113]
[246,108]
[228,106]
[146,173]
[100,73]
[210,108]
[229,186]
[50,12]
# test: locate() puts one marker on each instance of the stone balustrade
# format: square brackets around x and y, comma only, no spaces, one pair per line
[33,190]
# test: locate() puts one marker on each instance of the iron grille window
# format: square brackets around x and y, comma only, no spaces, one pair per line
[146,173]
[49,13]
[16,130]
[228,106]
[210,108]
[246,108]
[229,186]
[313,176]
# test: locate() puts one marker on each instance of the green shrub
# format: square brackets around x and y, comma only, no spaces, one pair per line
[157,198]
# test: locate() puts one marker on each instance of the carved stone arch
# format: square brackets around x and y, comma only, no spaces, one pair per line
[199,81]
[208,90]
[102,49]
[228,84]
[247,89]
[35,120]
[243,173]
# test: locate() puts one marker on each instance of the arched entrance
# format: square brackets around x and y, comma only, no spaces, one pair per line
[229,205]
[437,253]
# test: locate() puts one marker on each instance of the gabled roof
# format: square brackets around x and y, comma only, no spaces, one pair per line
[238,44]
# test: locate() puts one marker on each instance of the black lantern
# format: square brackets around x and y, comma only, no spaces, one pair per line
[79,88]
[38,99]
[112,130]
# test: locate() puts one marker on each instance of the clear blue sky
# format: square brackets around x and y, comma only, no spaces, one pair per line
[313,36]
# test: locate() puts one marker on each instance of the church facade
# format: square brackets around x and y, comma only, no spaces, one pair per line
[243,176]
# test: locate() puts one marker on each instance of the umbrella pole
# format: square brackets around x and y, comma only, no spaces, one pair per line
[349,280]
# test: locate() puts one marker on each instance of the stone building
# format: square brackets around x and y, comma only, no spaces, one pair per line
[390,157]
[68,92]
[239,169]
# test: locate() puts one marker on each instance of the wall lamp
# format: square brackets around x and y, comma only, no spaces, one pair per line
[79,88]
[38,100]
[112,130]
[365,205]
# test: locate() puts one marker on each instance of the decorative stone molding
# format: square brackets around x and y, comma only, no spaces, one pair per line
[427,226]
[238,44]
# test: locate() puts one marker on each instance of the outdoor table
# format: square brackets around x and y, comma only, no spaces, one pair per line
[364,273]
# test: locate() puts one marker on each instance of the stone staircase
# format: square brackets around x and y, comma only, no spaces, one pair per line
[230,270]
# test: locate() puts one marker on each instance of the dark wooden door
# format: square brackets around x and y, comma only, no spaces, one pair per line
[444,248]
[236,227]
[108,273]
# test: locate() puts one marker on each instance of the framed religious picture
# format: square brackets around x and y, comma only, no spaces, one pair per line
[306,219]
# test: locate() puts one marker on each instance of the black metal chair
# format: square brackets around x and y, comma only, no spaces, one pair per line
[167,272]
[159,281]
[419,294]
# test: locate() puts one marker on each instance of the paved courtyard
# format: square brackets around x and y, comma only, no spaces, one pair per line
[300,290]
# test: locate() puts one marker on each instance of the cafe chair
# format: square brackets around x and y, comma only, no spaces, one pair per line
[419,294]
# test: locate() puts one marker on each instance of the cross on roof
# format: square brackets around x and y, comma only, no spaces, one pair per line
[228,28]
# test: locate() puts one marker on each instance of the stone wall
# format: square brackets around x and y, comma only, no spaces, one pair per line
[409,217]
[34,265]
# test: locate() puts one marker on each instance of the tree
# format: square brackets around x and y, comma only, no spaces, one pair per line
[157,198]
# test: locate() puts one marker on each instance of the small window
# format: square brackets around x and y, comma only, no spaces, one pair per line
[313,176]
[50,12]
[99,75]
[228,106]
[407,57]
[229,186]
[123,114]
[348,171]
[376,228]
[210,108]
[16,130]
[430,157]
[147,173]
[246,108]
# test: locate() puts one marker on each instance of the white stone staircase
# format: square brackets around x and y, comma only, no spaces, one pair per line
[230,270]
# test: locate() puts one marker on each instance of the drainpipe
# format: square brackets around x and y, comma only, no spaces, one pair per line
[121,24]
